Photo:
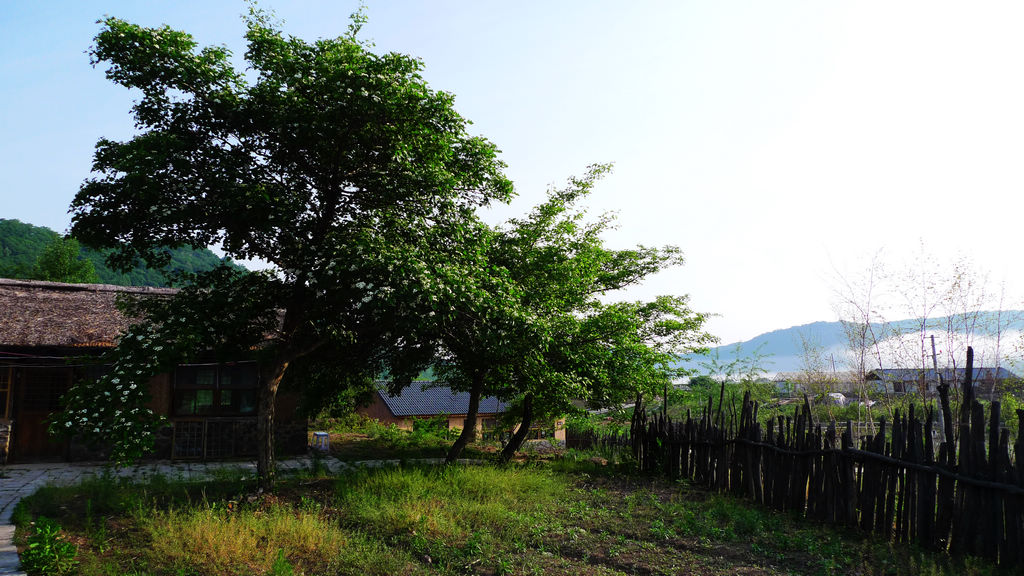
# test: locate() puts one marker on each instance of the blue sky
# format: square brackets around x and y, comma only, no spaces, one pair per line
[774,142]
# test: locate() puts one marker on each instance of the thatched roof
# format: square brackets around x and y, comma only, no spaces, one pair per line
[35,313]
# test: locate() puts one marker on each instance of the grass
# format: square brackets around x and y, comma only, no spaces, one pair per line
[561,518]
[360,438]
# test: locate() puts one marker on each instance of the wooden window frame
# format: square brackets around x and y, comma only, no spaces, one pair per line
[225,386]
[6,391]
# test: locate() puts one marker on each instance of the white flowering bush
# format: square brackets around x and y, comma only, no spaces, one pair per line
[112,409]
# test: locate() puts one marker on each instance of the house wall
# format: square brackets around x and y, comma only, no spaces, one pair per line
[290,430]
[378,410]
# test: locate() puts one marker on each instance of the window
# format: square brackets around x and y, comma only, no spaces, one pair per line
[216,389]
[44,388]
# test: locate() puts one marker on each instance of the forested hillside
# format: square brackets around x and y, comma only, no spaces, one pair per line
[21,244]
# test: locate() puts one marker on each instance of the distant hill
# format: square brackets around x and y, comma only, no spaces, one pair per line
[21,244]
[783,352]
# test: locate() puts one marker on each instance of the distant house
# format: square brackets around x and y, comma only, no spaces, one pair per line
[799,383]
[427,399]
[987,381]
[50,336]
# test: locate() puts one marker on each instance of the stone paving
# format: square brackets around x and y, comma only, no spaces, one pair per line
[18,481]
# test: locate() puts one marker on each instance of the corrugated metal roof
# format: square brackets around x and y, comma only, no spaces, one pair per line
[428,398]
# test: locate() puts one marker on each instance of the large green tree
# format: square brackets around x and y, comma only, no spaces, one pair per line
[332,163]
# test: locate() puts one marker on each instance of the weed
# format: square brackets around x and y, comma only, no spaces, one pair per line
[503,567]
[47,552]
[281,566]
[307,504]
[660,531]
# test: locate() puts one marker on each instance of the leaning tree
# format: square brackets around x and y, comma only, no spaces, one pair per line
[331,163]
[526,322]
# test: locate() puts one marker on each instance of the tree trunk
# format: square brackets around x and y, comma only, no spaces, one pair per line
[469,426]
[520,435]
[270,379]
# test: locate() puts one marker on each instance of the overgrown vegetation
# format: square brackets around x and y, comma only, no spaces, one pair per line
[356,437]
[566,518]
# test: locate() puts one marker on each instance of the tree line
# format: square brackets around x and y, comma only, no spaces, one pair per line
[38,253]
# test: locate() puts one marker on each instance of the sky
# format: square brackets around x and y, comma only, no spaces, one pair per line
[778,144]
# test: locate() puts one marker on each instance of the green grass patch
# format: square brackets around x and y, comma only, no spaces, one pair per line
[360,438]
[573,518]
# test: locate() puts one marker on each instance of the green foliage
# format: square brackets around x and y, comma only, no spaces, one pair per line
[47,552]
[22,245]
[281,566]
[1010,403]
[431,426]
[742,368]
[536,329]
[611,423]
[339,167]
[740,375]
[60,261]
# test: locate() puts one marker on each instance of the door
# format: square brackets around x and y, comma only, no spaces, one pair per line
[37,394]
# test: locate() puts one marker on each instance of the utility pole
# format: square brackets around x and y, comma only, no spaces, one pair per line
[935,366]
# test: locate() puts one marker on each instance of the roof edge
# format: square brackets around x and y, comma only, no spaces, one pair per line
[66,287]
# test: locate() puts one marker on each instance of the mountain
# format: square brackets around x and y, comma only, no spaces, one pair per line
[21,244]
[782,350]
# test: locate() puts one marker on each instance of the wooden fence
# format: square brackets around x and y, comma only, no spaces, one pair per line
[964,496]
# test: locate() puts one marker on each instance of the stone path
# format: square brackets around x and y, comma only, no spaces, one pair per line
[19,481]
